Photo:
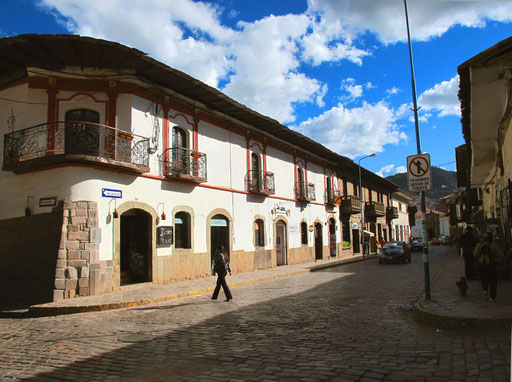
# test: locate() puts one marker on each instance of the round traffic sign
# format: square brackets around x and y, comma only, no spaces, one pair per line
[418,166]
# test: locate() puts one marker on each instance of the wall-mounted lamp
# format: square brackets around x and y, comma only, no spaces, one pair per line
[28,211]
[162,216]
[115,214]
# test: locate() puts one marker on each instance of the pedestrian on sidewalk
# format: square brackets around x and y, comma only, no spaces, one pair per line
[221,268]
[468,242]
[487,254]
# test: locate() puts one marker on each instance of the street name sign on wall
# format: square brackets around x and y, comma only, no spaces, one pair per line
[418,172]
[110,193]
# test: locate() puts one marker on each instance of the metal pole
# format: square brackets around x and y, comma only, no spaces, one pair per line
[361,199]
[418,147]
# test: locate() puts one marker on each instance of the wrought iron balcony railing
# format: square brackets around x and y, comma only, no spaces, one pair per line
[62,142]
[305,192]
[375,209]
[185,164]
[332,197]
[350,204]
[261,182]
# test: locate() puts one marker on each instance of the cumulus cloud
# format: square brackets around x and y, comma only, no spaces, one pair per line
[428,19]
[265,75]
[393,91]
[401,170]
[388,169]
[184,34]
[442,98]
[357,131]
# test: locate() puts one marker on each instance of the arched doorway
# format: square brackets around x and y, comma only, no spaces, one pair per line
[281,243]
[136,247]
[318,241]
[332,237]
[219,234]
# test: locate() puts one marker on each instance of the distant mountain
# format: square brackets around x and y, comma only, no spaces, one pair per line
[443,183]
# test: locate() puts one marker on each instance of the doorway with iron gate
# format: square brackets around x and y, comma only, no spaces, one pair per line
[318,241]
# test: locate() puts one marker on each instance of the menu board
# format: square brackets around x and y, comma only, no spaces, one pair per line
[164,235]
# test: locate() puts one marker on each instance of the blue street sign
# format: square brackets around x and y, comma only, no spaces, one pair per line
[109,193]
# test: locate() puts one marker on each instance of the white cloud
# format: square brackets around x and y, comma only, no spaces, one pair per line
[354,91]
[393,91]
[357,131]
[265,75]
[386,170]
[442,98]
[401,170]
[427,19]
[156,27]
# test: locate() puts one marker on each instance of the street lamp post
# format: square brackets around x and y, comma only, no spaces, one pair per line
[361,199]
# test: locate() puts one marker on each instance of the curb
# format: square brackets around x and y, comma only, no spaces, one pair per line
[42,310]
[458,323]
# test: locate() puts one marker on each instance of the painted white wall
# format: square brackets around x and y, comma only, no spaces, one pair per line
[227,169]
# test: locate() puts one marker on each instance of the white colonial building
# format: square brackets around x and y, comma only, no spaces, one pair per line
[118,169]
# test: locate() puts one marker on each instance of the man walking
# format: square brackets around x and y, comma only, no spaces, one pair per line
[468,243]
[487,254]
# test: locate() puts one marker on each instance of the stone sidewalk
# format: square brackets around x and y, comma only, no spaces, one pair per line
[148,293]
[449,310]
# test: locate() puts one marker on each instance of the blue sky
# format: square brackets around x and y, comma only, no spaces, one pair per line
[335,70]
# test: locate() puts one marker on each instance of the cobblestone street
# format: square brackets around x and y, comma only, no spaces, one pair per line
[347,323]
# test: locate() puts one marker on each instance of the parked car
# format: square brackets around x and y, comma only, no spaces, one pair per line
[395,251]
[417,245]
[435,241]
[445,240]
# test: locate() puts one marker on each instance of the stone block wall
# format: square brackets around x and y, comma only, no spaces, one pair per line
[79,272]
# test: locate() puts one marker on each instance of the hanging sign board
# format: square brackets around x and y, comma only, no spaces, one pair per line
[164,235]
[419,176]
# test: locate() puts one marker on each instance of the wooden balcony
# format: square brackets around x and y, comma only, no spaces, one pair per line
[48,144]
[391,213]
[184,164]
[374,209]
[350,205]
[260,182]
[305,192]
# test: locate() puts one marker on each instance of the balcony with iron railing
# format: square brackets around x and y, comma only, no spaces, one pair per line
[374,209]
[304,192]
[184,164]
[260,182]
[75,142]
[332,197]
[350,204]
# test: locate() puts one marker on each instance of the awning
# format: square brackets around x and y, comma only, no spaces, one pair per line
[368,233]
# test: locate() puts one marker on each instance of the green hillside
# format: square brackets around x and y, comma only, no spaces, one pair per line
[443,183]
